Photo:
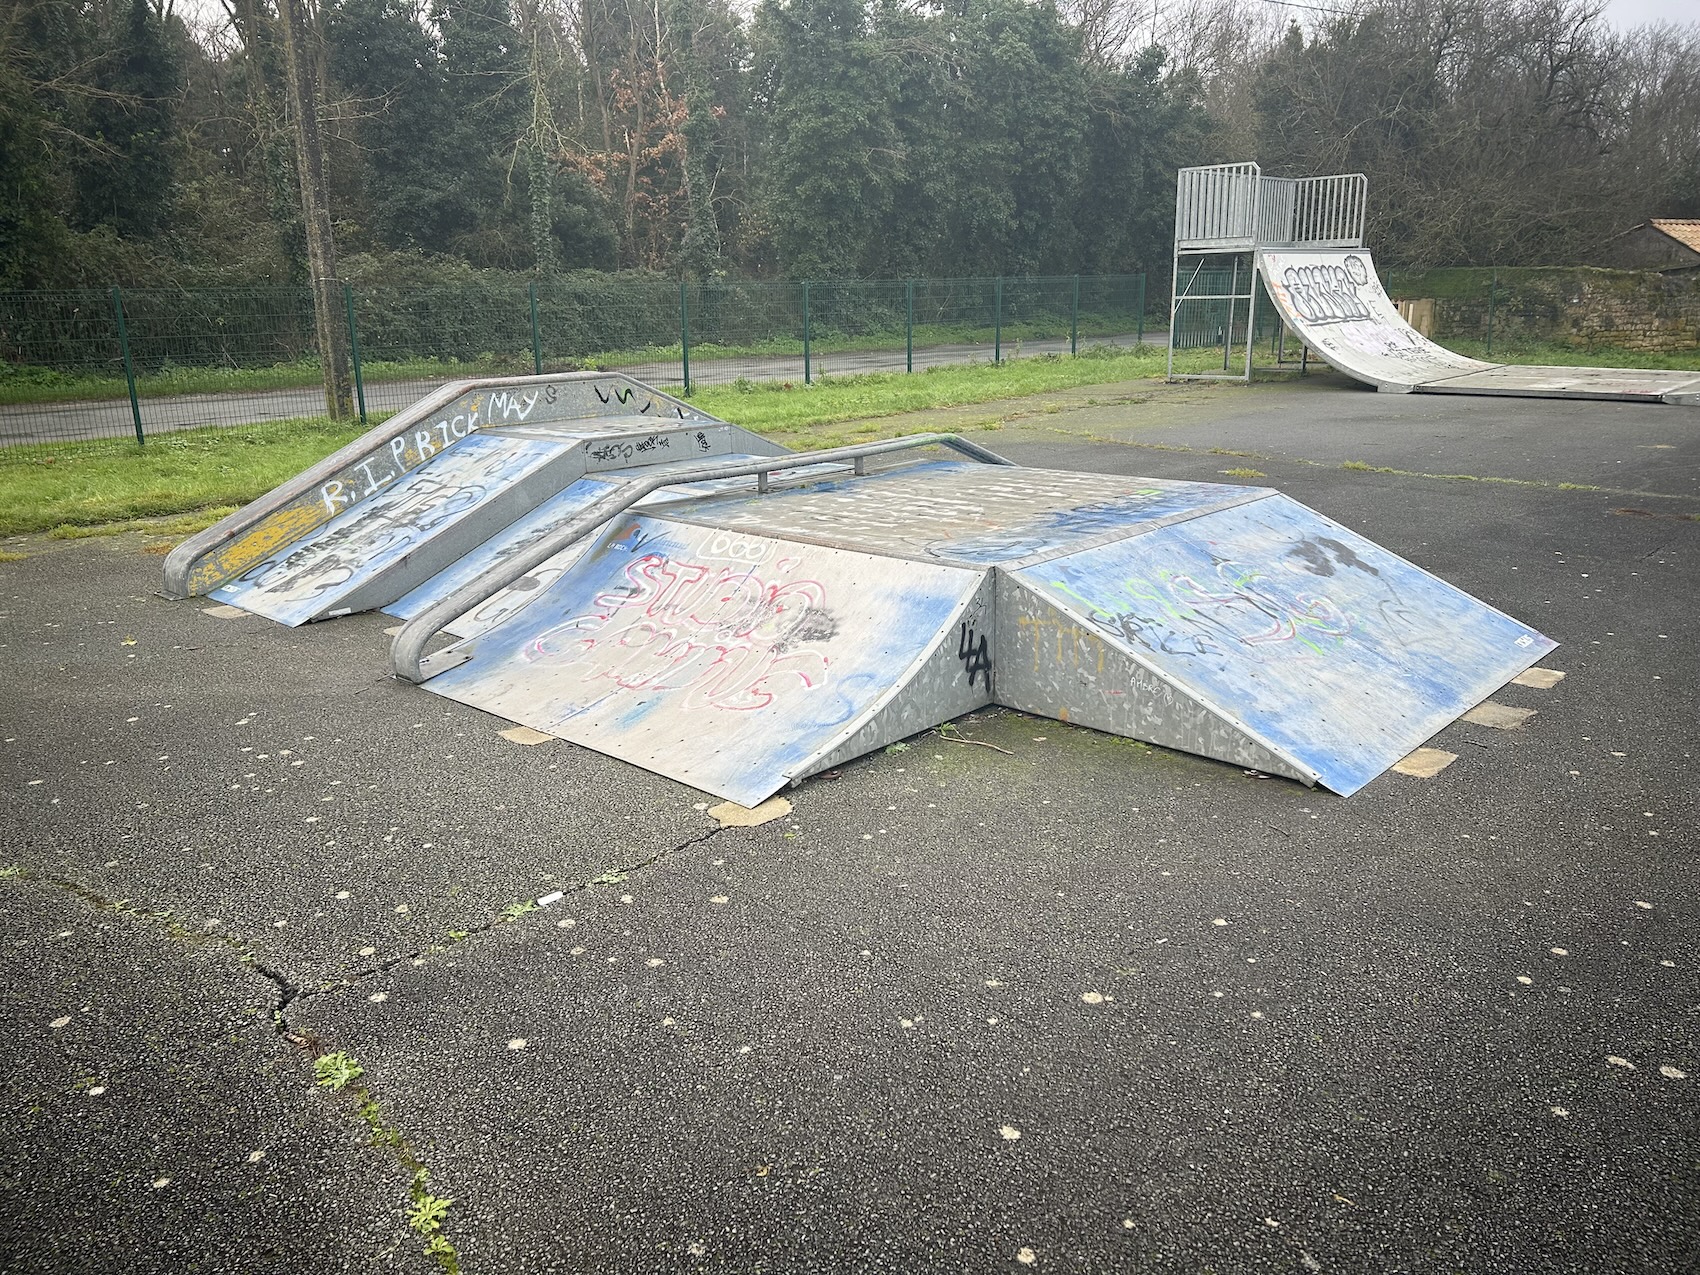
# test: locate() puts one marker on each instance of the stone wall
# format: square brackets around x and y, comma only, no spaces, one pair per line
[1579,307]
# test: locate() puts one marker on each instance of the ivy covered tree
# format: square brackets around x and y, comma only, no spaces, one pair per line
[124,177]
[830,145]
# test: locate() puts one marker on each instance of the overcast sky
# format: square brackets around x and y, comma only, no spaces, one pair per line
[1634,13]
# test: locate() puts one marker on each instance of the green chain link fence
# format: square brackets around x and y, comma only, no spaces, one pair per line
[125,364]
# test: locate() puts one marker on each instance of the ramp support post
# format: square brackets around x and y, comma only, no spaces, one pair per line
[1250,319]
[1228,328]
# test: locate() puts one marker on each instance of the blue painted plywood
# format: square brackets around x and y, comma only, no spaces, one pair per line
[722,660]
[306,578]
[1314,641]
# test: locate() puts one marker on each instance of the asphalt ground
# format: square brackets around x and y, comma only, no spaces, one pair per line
[1063,1003]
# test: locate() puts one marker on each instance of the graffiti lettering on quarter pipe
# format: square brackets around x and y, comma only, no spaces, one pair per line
[1241,609]
[1322,294]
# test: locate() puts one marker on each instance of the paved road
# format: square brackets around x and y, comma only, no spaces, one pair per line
[70,422]
[1064,1003]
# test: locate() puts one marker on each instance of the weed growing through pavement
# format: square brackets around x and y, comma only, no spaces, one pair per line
[336,1070]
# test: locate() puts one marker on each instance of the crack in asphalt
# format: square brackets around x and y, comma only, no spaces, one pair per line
[296,995]
[287,993]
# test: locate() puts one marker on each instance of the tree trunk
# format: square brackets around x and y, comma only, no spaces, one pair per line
[302,67]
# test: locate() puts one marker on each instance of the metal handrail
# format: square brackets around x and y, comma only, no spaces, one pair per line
[1234,207]
[408,653]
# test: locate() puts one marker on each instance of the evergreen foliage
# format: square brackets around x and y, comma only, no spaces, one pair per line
[821,139]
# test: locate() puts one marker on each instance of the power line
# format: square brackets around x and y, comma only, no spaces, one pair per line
[1314,8]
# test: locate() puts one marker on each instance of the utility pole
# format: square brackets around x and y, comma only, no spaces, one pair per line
[303,71]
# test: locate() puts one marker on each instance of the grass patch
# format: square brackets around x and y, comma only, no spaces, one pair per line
[778,408]
[76,488]
[85,485]
[197,476]
[1245,473]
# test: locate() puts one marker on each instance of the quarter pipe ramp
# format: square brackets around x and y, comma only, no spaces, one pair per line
[1332,299]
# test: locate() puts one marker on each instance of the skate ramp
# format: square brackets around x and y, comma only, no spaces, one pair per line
[608,420]
[729,662]
[1263,634]
[1333,300]
[743,640]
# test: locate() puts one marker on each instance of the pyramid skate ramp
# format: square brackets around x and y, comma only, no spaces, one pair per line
[672,590]
[1333,300]
[744,640]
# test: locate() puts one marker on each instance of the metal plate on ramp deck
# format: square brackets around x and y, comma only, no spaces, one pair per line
[306,578]
[961,512]
[1321,646]
[1529,381]
[722,660]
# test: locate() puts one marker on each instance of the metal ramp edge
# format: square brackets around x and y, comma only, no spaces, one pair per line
[397,447]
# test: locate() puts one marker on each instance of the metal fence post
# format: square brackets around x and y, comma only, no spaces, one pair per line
[354,350]
[1228,331]
[536,331]
[1074,319]
[685,334]
[997,320]
[1493,293]
[1141,329]
[909,325]
[129,365]
[806,369]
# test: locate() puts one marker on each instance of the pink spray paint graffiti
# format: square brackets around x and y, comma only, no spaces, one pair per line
[726,636]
